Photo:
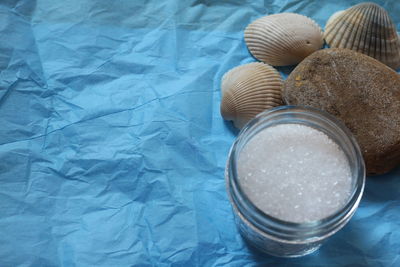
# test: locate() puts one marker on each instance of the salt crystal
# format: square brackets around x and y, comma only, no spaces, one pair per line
[308,176]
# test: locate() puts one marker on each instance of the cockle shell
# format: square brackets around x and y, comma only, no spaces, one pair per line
[283,39]
[248,90]
[366,28]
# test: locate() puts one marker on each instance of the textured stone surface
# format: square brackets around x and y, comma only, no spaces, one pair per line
[360,91]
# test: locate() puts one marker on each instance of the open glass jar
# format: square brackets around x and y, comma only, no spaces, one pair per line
[283,238]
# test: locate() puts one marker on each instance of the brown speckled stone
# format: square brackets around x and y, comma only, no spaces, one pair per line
[360,91]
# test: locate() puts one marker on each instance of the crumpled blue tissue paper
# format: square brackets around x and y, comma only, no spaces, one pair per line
[112,148]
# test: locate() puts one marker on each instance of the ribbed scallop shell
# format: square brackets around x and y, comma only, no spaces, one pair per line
[366,28]
[248,90]
[283,39]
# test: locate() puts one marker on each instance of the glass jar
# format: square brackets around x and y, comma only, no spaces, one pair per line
[281,238]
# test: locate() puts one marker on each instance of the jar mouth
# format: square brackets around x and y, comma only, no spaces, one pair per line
[286,230]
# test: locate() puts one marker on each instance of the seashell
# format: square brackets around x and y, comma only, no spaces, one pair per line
[366,28]
[248,90]
[283,39]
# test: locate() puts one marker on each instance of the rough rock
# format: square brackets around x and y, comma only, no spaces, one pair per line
[360,91]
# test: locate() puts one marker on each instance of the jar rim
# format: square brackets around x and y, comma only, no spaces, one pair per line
[287,230]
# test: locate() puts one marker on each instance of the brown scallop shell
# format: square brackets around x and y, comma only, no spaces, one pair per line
[366,28]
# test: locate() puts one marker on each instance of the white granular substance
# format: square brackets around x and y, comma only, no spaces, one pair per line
[295,173]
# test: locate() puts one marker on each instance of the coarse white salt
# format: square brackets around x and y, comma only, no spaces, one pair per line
[294,173]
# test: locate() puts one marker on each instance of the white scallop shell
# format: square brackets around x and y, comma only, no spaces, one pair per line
[283,39]
[248,90]
[366,28]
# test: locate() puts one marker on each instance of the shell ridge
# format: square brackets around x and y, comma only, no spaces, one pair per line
[279,31]
[338,27]
[360,35]
[345,29]
[249,89]
[334,26]
[379,54]
[358,31]
[393,58]
[368,32]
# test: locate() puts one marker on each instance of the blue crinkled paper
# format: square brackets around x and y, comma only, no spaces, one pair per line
[112,148]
